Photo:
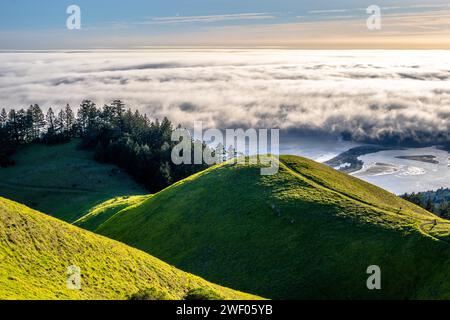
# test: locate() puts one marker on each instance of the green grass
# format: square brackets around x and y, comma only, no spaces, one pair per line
[306,232]
[63,181]
[35,251]
[102,212]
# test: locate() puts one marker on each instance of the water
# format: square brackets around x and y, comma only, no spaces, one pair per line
[382,168]
[403,175]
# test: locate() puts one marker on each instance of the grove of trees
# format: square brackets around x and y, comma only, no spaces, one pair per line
[118,135]
[437,201]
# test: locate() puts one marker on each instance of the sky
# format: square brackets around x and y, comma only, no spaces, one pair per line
[319,24]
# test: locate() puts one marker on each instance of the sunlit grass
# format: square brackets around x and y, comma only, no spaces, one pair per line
[306,232]
[35,251]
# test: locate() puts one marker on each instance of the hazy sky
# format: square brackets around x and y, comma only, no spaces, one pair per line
[30,24]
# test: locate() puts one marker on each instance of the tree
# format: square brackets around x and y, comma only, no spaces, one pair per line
[166,129]
[220,153]
[114,112]
[69,121]
[51,122]
[429,205]
[18,126]
[37,119]
[119,136]
[118,107]
[87,116]
[57,131]
[13,126]
[444,209]
[60,122]
[3,118]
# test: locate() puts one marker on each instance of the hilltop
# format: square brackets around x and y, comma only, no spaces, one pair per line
[306,232]
[35,251]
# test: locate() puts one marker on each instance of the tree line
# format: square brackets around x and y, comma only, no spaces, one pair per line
[142,147]
[437,202]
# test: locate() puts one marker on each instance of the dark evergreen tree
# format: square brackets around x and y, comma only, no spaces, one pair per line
[3,118]
[87,116]
[429,205]
[119,136]
[13,127]
[444,209]
[37,119]
[68,121]
[51,122]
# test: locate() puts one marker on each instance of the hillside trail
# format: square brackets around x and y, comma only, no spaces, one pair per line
[433,223]
[315,183]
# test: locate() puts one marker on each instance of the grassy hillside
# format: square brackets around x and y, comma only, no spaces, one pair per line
[102,212]
[35,251]
[307,232]
[63,181]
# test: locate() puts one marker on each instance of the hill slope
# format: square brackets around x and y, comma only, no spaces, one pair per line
[63,181]
[35,251]
[306,232]
[102,212]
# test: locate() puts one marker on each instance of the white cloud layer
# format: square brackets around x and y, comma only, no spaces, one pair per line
[373,95]
[210,18]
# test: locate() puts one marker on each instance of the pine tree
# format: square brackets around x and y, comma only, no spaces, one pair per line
[118,107]
[166,129]
[51,122]
[60,122]
[69,122]
[3,118]
[429,205]
[444,209]
[87,116]
[13,126]
[37,121]
[113,113]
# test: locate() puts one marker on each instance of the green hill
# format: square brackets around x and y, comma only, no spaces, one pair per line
[35,251]
[306,232]
[63,181]
[102,212]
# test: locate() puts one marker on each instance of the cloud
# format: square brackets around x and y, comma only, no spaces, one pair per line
[404,8]
[387,96]
[329,11]
[209,18]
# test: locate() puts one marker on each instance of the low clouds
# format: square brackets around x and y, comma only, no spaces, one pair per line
[388,96]
[210,18]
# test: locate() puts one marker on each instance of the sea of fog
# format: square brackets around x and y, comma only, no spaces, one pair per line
[366,94]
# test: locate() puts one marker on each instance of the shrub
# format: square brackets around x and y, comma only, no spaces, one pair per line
[202,294]
[150,294]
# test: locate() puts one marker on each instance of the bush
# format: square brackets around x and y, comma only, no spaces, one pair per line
[202,294]
[150,294]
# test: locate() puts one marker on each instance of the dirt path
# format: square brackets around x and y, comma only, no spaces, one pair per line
[433,223]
